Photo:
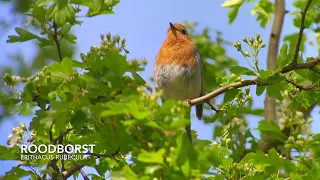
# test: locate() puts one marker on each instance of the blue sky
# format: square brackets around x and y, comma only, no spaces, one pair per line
[144,25]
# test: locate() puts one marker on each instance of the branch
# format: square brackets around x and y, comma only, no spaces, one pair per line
[253,81]
[84,175]
[69,172]
[300,87]
[308,65]
[50,134]
[316,70]
[222,90]
[302,27]
[101,155]
[55,39]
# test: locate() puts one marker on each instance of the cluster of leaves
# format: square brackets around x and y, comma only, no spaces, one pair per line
[102,100]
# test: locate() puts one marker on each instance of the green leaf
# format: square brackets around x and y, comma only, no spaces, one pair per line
[263,9]
[102,167]
[239,70]
[62,12]
[78,64]
[284,57]
[263,74]
[250,157]
[66,63]
[295,176]
[24,35]
[65,28]
[231,94]
[65,66]
[272,129]
[8,153]
[38,12]
[232,3]
[227,163]
[101,7]
[274,90]
[260,90]
[78,119]
[232,14]
[235,5]
[24,109]
[115,63]
[185,168]
[8,101]
[151,157]
[179,123]
[153,169]
[71,38]
[128,173]
[17,173]
[292,39]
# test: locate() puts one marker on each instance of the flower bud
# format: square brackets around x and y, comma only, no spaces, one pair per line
[247,54]
[102,36]
[23,126]
[244,39]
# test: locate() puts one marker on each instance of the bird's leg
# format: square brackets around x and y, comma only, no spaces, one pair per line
[212,107]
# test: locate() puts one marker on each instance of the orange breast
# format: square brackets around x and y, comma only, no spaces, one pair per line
[184,53]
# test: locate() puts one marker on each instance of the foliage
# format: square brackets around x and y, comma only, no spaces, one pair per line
[102,100]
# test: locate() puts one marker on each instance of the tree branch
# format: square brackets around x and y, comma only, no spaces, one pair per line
[79,168]
[222,90]
[253,81]
[300,87]
[69,172]
[302,27]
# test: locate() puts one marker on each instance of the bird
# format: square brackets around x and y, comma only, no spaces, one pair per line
[178,70]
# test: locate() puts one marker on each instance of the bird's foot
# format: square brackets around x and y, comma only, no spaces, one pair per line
[188,101]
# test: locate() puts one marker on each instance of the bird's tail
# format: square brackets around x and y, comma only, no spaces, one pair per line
[199,111]
[189,133]
[188,127]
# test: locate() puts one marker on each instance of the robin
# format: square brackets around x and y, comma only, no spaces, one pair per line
[178,69]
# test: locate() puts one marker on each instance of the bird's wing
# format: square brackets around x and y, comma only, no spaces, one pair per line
[199,107]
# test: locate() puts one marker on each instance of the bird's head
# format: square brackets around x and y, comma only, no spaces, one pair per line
[177,32]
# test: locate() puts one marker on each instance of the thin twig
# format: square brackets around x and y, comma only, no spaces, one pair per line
[55,39]
[302,27]
[310,87]
[316,70]
[50,134]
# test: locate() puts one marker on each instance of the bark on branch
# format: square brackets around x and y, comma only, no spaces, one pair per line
[254,81]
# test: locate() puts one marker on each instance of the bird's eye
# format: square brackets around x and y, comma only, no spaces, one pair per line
[184,31]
